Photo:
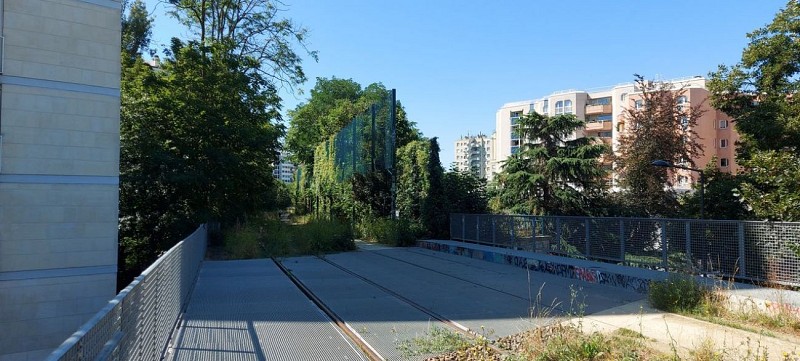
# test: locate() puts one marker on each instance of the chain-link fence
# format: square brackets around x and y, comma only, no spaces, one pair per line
[137,324]
[759,251]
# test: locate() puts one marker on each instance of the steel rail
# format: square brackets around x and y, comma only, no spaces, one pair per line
[362,344]
[450,323]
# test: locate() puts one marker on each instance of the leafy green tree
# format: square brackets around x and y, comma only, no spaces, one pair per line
[465,192]
[198,140]
[658,127]
[136,30]
[723,198]
[760,94]
[553,174]
[252,29]
[433,211]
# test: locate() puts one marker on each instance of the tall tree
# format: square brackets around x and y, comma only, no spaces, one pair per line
[760,93]
[198,140]
[136,30]
[553,174]
[657,127]
[433,210]
[251,28]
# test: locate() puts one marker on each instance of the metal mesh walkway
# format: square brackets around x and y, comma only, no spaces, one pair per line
[249,310]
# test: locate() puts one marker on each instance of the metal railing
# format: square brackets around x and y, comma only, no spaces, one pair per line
[136,325]
[758,251]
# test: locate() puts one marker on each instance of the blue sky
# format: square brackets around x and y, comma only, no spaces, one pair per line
[455,62]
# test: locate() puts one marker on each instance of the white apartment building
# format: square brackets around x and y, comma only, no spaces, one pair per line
[475,153]
[604,109]
[59,169]
[284,169]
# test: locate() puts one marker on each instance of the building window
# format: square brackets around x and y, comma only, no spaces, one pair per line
[723,143]
[685,121]
[623,96]
[568,106]
[638,104]
[682,100]
[723,124]
[545,106]
[514,150]
[604,134]
[723,162]
[559,107]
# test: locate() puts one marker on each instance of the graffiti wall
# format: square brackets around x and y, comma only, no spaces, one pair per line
[591,275]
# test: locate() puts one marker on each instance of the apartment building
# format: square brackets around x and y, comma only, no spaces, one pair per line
[59,169]
[284,169]
[604,108]
[475,153]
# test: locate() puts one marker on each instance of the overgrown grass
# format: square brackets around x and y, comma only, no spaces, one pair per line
[437,340]
[399,233]
[678,293]
[685,295]
[269,237]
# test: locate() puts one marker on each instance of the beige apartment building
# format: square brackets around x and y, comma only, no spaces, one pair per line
[603,110]
[475,153]
[59,169]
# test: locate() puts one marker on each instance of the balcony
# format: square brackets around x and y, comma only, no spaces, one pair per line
[598,126]
[598,109]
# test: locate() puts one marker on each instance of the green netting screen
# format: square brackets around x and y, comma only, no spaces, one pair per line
[366,144]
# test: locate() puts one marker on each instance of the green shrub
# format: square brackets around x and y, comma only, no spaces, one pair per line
[678,293]
[269,237]
[399,233]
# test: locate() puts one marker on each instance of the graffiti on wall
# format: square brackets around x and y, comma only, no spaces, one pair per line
[587,274]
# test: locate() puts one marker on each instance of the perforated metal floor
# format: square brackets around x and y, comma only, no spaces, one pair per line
[249,310]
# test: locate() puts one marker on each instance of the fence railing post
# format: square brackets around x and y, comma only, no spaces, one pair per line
[463,227]
[513,233]
[494,230]
[664,255]
[622,240]
[742,264]
[688,235]
[586,235]
[478,228]
[558,234]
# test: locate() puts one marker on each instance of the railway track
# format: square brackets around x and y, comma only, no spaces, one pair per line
[354,335]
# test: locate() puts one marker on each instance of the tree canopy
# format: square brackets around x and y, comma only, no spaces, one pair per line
[657,127]
[760,94]
[555,173]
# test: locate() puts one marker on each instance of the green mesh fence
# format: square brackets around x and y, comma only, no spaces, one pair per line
[366,144]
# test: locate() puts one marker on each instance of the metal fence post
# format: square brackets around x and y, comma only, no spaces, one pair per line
[622,240]
[463,227]
[513,233]
[742,264]
[558,234]
[586,235]
[664,245]
[688,228]
[494,230]
[478,228]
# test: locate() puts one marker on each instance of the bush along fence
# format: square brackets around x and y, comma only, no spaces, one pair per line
[137,324]
[746,250]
